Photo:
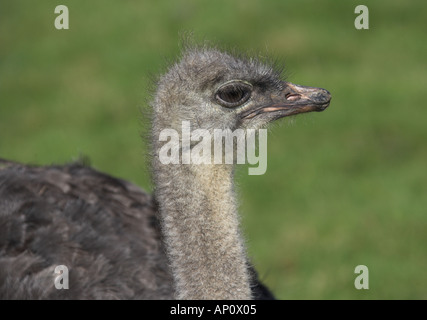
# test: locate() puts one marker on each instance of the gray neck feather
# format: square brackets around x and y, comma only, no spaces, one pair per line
[201,228]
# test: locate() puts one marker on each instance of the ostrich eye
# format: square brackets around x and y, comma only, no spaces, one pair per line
[233,94]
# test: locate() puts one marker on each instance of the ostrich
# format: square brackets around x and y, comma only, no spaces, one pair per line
[117,241]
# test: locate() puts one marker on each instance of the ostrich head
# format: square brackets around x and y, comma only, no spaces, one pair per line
[210,90]
[213,89]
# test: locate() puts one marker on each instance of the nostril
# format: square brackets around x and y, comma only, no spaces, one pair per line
[325,95]
[292,97]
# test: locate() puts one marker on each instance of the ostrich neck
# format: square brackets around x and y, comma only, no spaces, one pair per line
[201,228]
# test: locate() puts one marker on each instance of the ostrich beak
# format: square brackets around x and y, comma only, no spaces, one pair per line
[293,99]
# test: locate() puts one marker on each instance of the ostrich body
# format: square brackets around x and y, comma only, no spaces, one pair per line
[121,243]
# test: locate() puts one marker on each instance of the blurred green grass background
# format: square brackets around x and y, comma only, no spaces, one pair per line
[344,187]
